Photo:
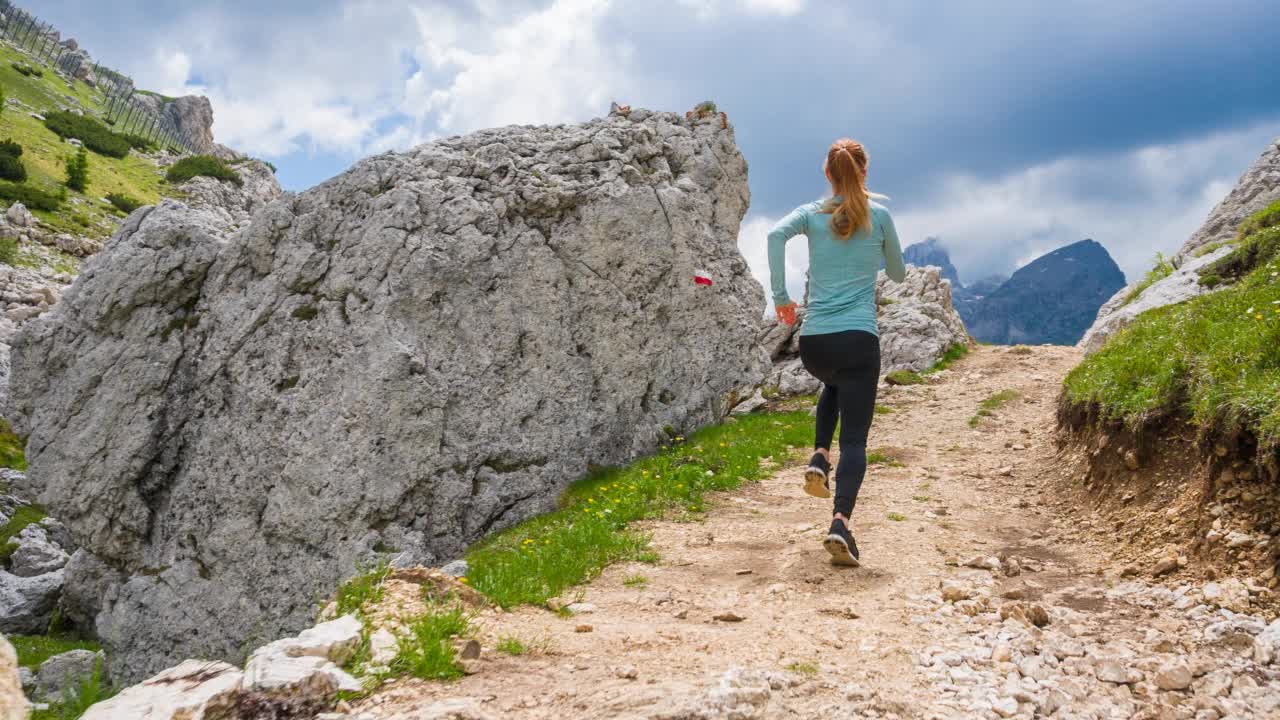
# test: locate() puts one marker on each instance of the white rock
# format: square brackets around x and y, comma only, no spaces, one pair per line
[335,640]
[1173,676]
[1005,707]
[26,603]
[383,647]
[19,215]
[193,690]
[36,553]
[306,665]
[457,568]
[751,404]
[581,608]
[12,702]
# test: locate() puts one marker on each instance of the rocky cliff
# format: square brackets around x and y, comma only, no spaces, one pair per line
[1052,299]
[192,114]
[1257,188]
[931,252]
[417,352]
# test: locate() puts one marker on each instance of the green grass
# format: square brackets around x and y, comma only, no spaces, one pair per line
[994,402]
[541,557]
[635,581]
[1214,359]
[920,498]
[426,651]
[35,649]
[1161,269]
[904,377]
[42,92]
[883,410]
[952,354]
[896,516]
[883,457]
[12,447]
[511,646]
[808,669]
[364,588]
[22,517]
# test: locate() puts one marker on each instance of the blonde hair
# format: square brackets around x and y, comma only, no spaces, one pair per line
[847,165]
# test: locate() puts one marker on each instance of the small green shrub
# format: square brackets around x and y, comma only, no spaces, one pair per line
[11,446]
[1161,269]
[270,165]
[33,198]
[10,148]
[808,669]
[706,107]
[952,354]
[123,203]
[883,457]
[78,171]
[1210,281]
[22,517]
[364,588]
[636,581]
[11,168]
[201,165]
[28,70]
[903,377]
[426,652]
[896,516]
[8,250]
[994,402]
[511,646]
[883,410]
[137,142]
[77,700]
[93,134]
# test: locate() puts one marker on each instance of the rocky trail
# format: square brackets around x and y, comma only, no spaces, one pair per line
[974,598]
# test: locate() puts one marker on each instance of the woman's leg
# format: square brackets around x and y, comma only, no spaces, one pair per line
[827,415]
[857,401]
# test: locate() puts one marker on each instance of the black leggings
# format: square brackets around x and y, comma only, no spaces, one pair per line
[848,364]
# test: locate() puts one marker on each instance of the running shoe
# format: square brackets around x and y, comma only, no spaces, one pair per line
[844,551]
[817,477]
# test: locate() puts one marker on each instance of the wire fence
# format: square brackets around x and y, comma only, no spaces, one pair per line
[123,107]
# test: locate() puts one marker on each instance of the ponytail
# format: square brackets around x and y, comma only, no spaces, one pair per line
[847,165]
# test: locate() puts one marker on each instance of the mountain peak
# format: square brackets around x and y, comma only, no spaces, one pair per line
[931,252]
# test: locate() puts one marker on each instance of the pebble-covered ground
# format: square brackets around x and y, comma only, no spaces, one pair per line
[976,598]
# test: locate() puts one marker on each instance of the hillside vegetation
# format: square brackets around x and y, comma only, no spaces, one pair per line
[45,154]
[1214,359]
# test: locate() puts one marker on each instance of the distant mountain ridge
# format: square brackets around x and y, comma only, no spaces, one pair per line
[1052,299]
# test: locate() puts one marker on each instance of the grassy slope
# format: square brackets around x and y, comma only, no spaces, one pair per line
[1214,359]
[45,154]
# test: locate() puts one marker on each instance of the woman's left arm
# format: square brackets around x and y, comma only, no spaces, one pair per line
[893,264]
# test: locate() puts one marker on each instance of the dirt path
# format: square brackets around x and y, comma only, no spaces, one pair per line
[818,641]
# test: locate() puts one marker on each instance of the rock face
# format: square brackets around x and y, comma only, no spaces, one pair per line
[26,603]
[63,673]
[193,690]
[13,704]
[1182,284]
[931,252]
[193,114]
[917,325]
[1257,188]
[415,353]
[1053,299]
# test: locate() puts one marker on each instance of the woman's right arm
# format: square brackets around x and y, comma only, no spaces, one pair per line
[788,227]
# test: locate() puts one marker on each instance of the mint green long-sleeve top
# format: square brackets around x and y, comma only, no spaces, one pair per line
[842,273]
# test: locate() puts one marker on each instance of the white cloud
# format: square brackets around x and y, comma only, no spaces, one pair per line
[547,66]
[1135,203]
[709,9]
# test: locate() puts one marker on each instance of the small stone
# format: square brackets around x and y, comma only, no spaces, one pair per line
[680,614]
[627,672]
[744,571]
[1029,613]
[953,591]
[1005,707]
[471,650]
[1164,565]
[1001,653]
[457,568]
[1131,460]
[1174,676]
[983,563]
[728,616]
[583,628]
[581,608]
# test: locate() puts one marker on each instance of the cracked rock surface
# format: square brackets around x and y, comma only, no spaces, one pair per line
[424,349]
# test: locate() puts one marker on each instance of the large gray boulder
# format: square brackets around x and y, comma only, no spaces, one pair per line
[1257,188]
[418,352]
[37,554]
[62,674]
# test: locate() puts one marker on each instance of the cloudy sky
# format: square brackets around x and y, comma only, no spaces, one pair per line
[1004,128]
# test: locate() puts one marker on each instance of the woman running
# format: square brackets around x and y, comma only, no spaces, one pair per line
[839,343]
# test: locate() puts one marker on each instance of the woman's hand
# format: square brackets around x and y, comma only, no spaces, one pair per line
[787,313]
